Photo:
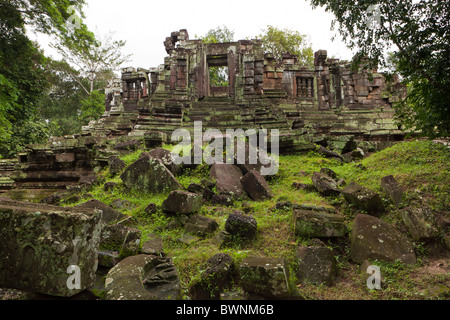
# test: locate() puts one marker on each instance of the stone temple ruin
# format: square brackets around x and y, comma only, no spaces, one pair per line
[327,104]
[95,250]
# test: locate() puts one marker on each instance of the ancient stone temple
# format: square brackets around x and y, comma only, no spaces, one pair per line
[326,104]
[305,104]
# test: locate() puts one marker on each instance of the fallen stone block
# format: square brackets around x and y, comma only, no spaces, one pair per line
[149,175]
[153,246]
[204,191]
[325,184]
[319,224]
[201,225]
[256,186]
[228,179]
[363,198]
[109,214]
[143,277]
[420,223]
[120,239]
[182,202]
[373,238]
[218,275]
[327,153]
[46,249]
[330,173]
[266,277]
[242,225]
[392,189]
[167,158]
[116,165]
[316,265]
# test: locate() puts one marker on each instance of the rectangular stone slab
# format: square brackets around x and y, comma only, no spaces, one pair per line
[39,245]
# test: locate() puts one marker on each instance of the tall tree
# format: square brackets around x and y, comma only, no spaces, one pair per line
[95,61]
[419,34]
[278,41]
[22,66]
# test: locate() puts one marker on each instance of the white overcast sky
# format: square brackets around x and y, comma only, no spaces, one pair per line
[144,24]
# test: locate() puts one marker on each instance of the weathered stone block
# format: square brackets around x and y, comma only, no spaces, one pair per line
[153,246]
[182,202]
[393,190]
[167,158]
[363,198]
[420,223]
[372,238]
[150,175]
[39,243]
[143,277]
[218,275]
[65,157]
[109,215]
[120,239]
[266,277]
[316,265]
[242,225]
[324,184]
[116,165]
[228,179]
[318,224]
[201,225]
[256,186]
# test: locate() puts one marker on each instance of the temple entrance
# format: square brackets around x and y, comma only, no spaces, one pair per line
[218,76]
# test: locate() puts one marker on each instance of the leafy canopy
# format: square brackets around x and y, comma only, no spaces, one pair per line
[278,41]
[23,66]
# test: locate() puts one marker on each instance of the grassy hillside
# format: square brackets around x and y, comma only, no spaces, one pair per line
[420,167]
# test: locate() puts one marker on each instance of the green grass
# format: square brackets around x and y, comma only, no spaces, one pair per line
[421,167]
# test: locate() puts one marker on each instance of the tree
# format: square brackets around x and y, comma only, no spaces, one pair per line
[93,106]
[95,61]
[22,67]
[279,41]
[418,31]
[61,105]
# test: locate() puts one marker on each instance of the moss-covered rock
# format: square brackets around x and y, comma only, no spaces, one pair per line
[266,277]
[318,224]
[363,198]
[43,246]
[373,238]
[143,277]
[182,202]
[149,175]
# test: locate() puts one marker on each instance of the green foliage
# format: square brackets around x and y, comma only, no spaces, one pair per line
[218,35]
[61,105]
[419,31]
[93,106]
[23,68]
[278,41]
